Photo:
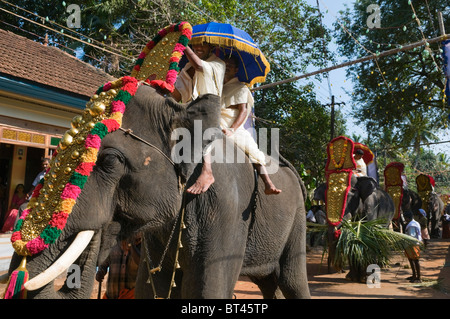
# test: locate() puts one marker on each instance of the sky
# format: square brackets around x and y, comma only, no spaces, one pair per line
[341,87]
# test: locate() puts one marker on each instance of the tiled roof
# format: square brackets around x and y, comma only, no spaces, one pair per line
[26,59]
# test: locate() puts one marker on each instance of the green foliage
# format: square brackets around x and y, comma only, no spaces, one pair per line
[368,242]
[288,32]
[388,90]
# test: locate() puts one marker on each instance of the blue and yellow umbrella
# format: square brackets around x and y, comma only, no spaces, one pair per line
[253,66]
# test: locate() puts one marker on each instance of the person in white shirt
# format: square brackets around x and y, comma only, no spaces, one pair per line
[203,74]
[413,253]
[237,102]
[361,168]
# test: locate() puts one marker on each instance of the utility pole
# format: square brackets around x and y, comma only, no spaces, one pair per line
[332,104]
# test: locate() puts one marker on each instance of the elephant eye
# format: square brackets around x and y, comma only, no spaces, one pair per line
[110,160]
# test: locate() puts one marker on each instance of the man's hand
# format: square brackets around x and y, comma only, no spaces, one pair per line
[228,132]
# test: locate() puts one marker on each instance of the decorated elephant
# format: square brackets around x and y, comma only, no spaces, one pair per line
[377,204]
[364,200]
[434,213]
[411,201]
[136,186]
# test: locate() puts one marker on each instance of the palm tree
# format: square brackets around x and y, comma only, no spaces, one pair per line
[417,130]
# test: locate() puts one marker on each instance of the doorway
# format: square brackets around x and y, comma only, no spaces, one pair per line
[6,156]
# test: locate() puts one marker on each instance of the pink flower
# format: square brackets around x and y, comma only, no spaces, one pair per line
[25,213]
[141,56]
[137,67]
[93,140]
[171,76]
[70,191]
[174,59]
[59,220]
[179,47]
[117,106]
[150,44]
[36,245]
[85,168]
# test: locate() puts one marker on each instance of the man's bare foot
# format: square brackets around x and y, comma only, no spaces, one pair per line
[202,184]
[271,190]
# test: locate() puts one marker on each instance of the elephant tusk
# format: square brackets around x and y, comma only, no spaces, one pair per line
[59,266]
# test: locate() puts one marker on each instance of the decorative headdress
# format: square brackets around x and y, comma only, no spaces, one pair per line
[152,66]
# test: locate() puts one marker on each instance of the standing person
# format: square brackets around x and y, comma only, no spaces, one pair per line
[203,74]
[446,223]
[310,215]
[413,253]
[237,102]
[321,217]
[45,163]
[18,199]
[44,166]
[122,266]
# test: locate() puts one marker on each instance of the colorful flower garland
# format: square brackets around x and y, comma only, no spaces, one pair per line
[344,153]
[178,51]
[128,87]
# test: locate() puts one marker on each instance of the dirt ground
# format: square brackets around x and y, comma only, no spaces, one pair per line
[435,266]
[435,269]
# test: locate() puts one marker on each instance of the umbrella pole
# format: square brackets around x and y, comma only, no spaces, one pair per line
[99,293]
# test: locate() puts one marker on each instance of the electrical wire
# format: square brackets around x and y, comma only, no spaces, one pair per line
[66,35]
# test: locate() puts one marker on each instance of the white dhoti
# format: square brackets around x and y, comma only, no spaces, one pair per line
[234,93]
[361,168]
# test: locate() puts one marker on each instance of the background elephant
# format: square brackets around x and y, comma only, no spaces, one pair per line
[364,200]
[232,229]
[434,213]
[377,204]
[411,201]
